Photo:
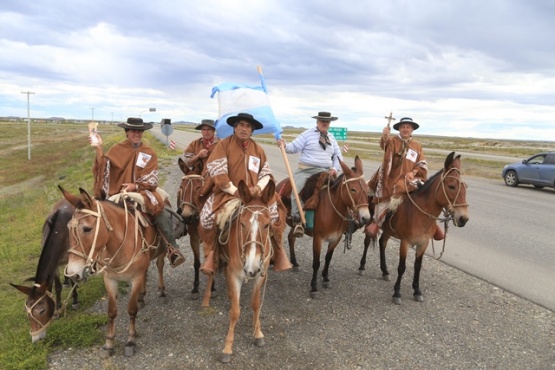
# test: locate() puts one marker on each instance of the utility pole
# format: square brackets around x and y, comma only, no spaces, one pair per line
[28,124]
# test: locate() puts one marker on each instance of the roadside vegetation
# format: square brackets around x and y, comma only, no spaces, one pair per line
[61,155]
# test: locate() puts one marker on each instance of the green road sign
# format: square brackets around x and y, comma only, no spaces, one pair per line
[340,133]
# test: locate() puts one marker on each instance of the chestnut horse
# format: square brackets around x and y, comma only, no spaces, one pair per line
[245,256]
[347,196]
[118,242]
[40,305]
[413,221]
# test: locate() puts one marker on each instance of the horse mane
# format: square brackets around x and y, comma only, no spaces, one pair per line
[337,182]
[428,183]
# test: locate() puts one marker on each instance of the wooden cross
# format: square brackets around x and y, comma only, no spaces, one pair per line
[389,119]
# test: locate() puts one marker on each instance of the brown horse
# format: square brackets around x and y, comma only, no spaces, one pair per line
[347,196]
[40,305]
[245,256]
[413,222]
[118,242]
[189,206]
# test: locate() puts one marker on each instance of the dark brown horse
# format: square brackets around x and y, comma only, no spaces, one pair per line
[118,242]
[341,202]
[40,305]
[188,207]
[413,221]
[246,256]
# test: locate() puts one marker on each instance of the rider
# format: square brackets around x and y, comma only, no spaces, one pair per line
[132,166]
[403,169]
[319,153]
[198,151]
[237,158]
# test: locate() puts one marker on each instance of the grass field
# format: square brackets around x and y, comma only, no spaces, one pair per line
[61,155]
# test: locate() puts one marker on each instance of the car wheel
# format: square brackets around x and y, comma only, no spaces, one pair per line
[511,178]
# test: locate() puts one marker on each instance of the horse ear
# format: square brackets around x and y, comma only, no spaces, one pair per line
[268,193]
[449,160]
[86,198]
[23,289]
[358,165]
[73,199]
[244,192]
[184,168]
[346,170]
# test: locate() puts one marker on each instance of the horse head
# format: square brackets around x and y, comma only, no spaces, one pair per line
[187,195]
[356,194]
[40,308]
[452,192]
[251,232]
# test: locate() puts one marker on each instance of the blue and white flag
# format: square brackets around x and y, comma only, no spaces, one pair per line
[235,98]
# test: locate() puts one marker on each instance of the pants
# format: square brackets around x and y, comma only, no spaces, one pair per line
[300,176]
[165,226]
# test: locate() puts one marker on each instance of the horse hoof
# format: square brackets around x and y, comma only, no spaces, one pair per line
[326,284]
[195,296]
[314,295]
[75,306]
[386,277]
[163,300]
[296,269]
[397,300]
[418,298]
[361,272]
[259,342]
[129,350]
[106,353]
[226,358]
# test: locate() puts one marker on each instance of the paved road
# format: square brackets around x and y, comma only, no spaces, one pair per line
[507,242]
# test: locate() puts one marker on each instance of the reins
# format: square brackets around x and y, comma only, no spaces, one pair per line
[189,187]
[354,206]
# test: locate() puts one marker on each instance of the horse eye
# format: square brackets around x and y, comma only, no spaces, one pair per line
[451,187]
[353,190]
[41,312]
[87,229]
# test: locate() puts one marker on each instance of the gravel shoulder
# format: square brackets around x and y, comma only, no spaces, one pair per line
[463,323]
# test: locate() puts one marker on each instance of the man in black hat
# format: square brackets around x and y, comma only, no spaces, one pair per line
[403,169]
[132,166]
[198,151]
[319,152]
[237,158]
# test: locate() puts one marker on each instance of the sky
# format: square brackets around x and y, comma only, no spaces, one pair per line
[466,68]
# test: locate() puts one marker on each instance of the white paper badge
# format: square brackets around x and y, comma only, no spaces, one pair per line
[143,159]
[254,164]
[412,155]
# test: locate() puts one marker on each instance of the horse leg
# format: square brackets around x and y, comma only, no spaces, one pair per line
[329,254]
[74,295]
[417,268]
[255,304]
[383,263]
[161,284]
[208,291]
[111,286]
[195,247]
[132,309]
[362,266]
[293,258]
[400,271]
[58,290]
[316,249]
[234,291]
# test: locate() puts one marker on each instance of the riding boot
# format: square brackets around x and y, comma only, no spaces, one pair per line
[208,264]
[439,234]
[281,261]
[165,227]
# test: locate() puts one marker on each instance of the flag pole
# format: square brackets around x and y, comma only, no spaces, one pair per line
[286,160]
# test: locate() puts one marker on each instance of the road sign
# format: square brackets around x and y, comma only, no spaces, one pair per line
[167,129]
[340,133]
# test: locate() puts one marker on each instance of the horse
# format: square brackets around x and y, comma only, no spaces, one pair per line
[246,255]
[413,221]
[338,202]
[117,241]
[40,305]
[188,207]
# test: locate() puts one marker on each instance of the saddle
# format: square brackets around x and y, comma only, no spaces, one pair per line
[310,193]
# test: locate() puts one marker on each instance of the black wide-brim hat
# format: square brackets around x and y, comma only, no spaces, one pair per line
[325,116]
[135,124]
[244,117]
[415,125]
[206,122]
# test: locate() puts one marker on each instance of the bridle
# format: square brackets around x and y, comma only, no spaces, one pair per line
[92,260]
[354,206]
[189,189]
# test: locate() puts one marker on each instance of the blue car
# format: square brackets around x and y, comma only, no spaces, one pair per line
[538,170]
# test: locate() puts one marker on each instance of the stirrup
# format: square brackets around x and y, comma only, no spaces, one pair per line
[176,258]
[298,231]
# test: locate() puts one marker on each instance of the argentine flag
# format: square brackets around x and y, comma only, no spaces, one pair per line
[235,98]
